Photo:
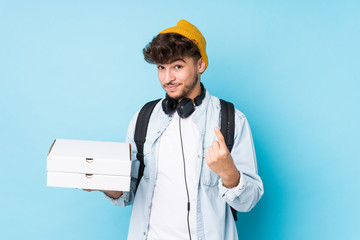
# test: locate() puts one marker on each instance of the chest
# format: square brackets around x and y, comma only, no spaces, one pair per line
[180,145]
[164,139]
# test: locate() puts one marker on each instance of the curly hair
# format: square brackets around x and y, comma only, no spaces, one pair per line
[166,47]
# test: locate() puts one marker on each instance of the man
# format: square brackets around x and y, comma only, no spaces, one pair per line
[190,179]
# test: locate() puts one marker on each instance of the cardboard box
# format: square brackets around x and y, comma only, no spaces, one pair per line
[89,165]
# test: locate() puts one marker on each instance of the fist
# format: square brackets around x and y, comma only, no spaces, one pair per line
[219,160]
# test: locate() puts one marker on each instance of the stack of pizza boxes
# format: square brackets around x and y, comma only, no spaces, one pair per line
[89,165]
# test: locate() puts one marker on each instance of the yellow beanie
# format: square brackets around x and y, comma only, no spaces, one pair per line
[189,31]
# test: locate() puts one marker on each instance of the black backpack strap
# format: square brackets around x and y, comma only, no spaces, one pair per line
[227,129]
[140,135]
[227,123]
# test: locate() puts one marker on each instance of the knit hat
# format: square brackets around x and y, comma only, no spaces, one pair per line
[189,31]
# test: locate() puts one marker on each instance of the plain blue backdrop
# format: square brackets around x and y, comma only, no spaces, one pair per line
[75,70]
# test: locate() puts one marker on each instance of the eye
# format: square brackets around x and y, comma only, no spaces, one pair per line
[178,66]
[159,67]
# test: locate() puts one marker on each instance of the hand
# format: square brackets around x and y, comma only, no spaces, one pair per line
[220,161]
[112,194]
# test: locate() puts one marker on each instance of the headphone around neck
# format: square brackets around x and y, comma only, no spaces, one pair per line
[185,107]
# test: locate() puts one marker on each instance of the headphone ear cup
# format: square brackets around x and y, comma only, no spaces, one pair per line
[185,108]
[169,105]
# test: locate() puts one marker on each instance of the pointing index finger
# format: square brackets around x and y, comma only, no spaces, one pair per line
[220,137]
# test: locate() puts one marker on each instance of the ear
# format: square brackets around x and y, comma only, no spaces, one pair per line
[201,66]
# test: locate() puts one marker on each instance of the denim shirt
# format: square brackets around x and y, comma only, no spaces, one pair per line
[214,218]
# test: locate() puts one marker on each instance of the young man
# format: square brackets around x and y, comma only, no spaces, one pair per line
[190,178]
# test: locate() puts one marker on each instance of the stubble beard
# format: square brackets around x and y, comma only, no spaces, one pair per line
[187,90]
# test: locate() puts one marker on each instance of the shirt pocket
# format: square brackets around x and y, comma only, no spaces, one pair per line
[208,177]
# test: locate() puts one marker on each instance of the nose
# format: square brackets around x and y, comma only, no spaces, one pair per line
[169,76]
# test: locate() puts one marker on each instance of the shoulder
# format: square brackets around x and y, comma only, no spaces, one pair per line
[214,102]
[154,114]
[153,109]
[154,104]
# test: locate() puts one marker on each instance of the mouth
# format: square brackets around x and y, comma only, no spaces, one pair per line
[171,87]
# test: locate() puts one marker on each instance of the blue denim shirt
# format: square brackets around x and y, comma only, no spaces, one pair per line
[214,217]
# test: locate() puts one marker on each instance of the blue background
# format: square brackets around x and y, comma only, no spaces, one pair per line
[75,70]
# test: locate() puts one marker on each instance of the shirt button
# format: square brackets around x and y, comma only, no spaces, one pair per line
[144,233]
[199,238]
[198,156]
[198,210]
[159,132]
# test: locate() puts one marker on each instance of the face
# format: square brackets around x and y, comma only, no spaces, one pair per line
[180,77]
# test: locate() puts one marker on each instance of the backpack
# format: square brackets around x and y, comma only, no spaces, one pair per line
[227,130]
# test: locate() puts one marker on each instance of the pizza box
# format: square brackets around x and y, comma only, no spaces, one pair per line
[89,165]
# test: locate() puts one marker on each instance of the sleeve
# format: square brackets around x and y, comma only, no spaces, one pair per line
[248,192]
[128,197]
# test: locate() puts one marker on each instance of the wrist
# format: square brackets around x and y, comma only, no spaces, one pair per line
[231,180]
